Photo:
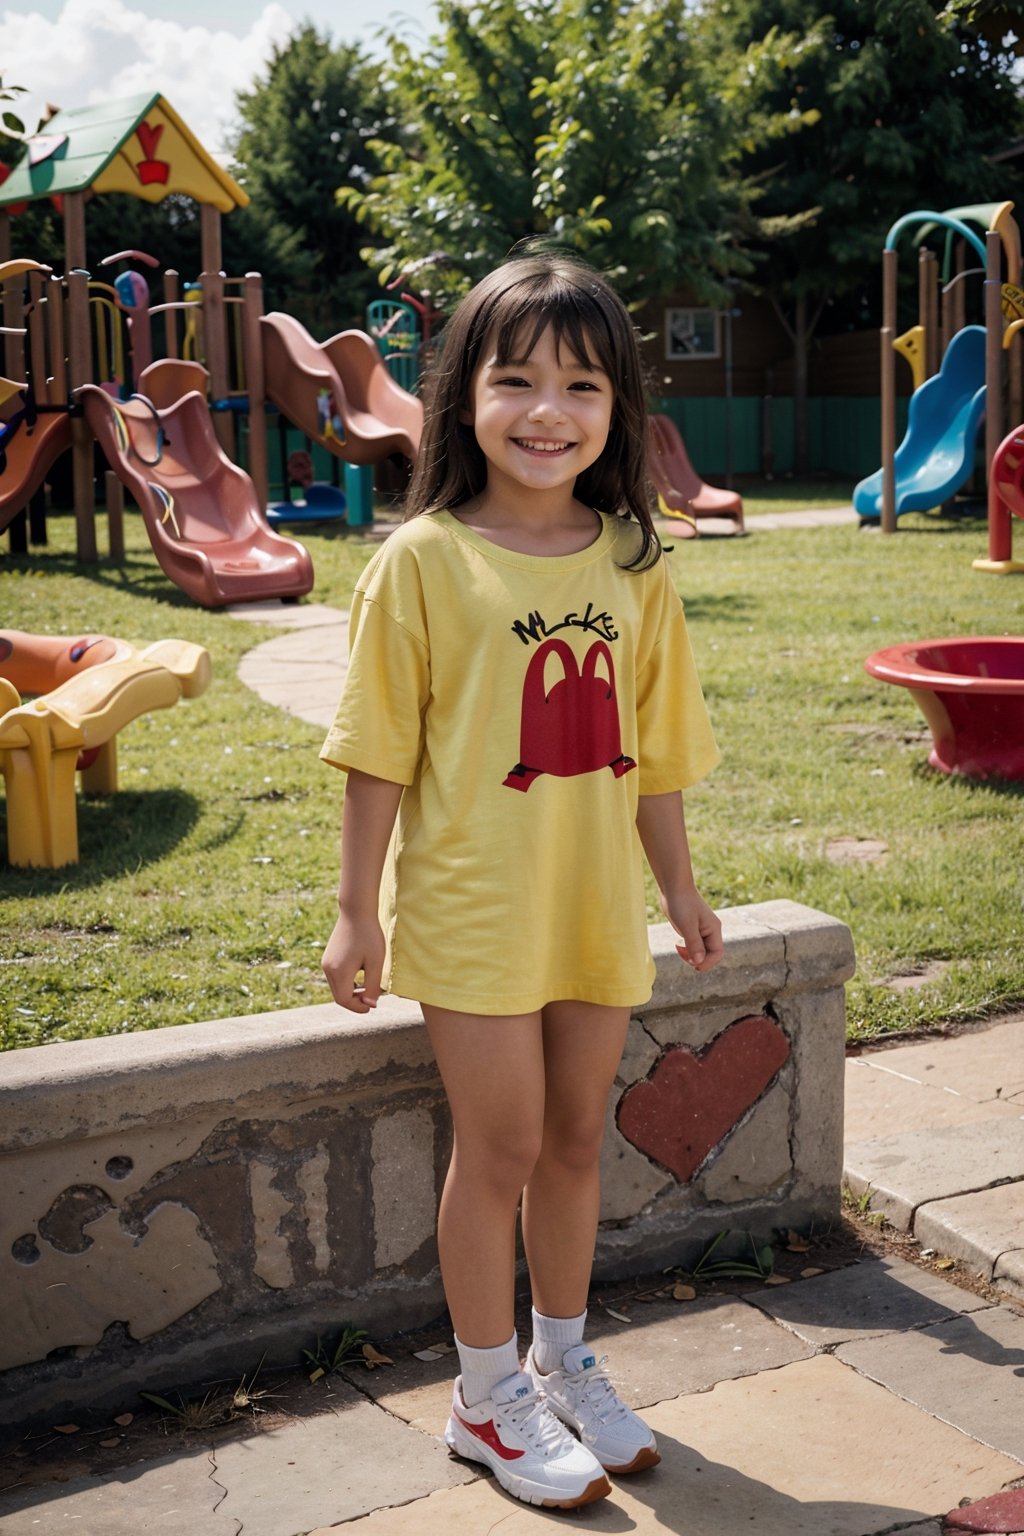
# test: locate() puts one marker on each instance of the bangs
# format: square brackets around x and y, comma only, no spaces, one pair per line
[521,316]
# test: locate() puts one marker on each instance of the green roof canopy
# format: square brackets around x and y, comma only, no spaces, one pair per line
[137,145]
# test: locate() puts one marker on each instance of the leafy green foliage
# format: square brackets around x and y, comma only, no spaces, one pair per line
[844,118]
[596,126]
[306,125]
[326,1357]
[11,125]
[758,1266]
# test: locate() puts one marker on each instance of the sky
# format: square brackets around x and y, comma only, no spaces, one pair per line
[75,53]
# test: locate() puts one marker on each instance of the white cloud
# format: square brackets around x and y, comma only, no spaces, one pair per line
[100,50]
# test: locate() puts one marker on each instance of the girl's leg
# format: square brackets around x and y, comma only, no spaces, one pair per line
[582,1044]
[493,1073]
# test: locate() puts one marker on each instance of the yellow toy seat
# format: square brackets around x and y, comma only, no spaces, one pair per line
[40,742]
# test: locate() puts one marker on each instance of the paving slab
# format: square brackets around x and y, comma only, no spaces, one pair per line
[967,1371]
[981,1229]
[813,1449]
[981,1064]
[872,1297]
[301,672]
[284,615]
[911,1168]
[669,1348]
[879,1101]
[170,1496]
[335,1467]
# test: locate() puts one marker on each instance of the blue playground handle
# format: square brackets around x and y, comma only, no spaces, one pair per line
[922,216]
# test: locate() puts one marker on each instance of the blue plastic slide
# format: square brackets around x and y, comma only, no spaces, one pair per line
[937,455]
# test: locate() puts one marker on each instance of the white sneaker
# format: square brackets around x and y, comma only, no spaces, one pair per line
[533,1457]
[583,1397]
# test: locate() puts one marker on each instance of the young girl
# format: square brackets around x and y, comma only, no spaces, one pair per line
[520,714]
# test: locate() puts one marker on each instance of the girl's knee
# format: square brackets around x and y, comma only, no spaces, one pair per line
[503,1159]
[575,1142]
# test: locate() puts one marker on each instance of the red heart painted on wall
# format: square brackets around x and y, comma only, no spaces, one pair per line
[692,1100]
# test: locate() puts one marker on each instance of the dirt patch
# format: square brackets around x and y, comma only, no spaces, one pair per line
[856,850]
[922,977]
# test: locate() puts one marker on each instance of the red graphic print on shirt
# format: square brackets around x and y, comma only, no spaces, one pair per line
[573,727]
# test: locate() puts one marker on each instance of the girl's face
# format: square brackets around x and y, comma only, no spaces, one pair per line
[539,421]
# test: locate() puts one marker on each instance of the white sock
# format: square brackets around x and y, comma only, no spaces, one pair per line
[482,1369]
[552,1336]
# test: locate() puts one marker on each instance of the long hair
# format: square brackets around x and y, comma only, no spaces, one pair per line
[507,312]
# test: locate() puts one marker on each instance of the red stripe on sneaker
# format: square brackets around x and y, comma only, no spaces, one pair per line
[489,1435]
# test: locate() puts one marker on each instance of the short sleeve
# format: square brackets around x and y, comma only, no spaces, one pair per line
[378,728]
[676,743]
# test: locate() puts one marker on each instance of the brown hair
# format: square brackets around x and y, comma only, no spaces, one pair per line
[516,303]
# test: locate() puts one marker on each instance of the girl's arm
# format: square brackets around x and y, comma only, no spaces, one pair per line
[357,942]
[662,829]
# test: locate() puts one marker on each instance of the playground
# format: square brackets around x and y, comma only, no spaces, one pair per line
[172,650]
[217,421]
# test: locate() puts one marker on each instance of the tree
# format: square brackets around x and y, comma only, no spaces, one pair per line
[590,122]
[844,121]
[305,126]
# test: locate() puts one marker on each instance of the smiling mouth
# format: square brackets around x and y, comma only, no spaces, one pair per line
[541,445]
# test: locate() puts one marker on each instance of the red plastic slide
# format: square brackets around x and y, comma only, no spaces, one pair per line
[30,454]
[678,483]
[339,392]
[202,516]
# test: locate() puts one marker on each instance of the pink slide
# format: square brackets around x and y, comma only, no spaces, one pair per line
[202,516]
[339,392]
[29,456]
[678,483]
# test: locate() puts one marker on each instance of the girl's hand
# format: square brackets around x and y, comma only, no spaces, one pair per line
[699,926]
[355,945]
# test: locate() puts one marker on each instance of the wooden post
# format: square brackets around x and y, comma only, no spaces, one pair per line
[79,372]
[960,310]
[5,255]
[14,342]
[170,316]
[922,307]
[37,517]
[252,345]
[55,341]
[215,336]
[890,266]
[928,283]
[37,337]
[115,516]
[948,314]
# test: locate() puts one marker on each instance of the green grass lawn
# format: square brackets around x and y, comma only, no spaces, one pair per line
[206,886]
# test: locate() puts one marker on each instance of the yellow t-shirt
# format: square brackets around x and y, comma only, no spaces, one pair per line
[525,702]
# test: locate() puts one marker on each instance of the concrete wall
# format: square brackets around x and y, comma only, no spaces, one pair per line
[176,1203]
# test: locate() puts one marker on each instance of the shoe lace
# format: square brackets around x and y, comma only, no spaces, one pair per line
[596,1394]
[532,1418]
